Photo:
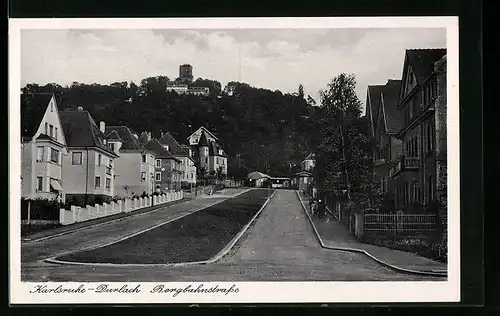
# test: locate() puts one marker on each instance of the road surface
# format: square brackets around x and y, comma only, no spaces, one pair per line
[279,246]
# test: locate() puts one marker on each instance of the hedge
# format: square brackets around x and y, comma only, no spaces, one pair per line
[40,209]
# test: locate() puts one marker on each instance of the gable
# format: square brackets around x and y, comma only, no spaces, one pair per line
[195,137]
[381,126]
[51,123]
[410,81]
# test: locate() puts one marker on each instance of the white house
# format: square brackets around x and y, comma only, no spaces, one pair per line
[88,170]
[42,147]
[135,168]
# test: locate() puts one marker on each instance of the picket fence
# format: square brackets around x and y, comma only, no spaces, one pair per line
[81,214]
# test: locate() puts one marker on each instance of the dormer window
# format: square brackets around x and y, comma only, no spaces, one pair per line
[220,152]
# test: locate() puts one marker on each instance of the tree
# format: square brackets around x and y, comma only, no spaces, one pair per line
[343,159]
[301,91]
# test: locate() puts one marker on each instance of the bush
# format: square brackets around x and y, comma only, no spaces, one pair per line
[40,209]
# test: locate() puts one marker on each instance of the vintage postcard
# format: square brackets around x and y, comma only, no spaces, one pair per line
[255,160]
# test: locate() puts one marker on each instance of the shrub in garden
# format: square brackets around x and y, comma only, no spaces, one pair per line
[40,209]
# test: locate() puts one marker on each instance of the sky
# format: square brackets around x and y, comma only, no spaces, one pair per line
[265,58]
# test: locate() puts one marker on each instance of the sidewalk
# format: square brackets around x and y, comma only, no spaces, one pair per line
[61,230]
[335,236]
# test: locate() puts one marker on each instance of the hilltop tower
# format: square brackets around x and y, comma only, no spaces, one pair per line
[186,73]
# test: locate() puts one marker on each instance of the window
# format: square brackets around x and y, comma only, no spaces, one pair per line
[97,182]
[46,128]
[158,163]
[99,160]
[383,184]
[143,158]
[405,194]
[54,155]
[396,197]
[55,133]
[430,188]
[217,160]
[39,183]
[51,107]
[192,176]
[206,160]
[143,176]
[51,188]
[112,146]
[108,184]
[51,130]
[39,154]
[416,192]
[206,151]
[430,137]
[158,176]
[77,158]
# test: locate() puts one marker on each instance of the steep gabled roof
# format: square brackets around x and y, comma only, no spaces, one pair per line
[203,140]
[80,130]
[33,108]
[160,152]
[113,136]
[372,104]
[203,129]
[129,142]
[174,147]
[393,118]
[422,61]
[213,150]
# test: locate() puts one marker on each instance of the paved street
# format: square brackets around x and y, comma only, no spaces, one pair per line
[280,245]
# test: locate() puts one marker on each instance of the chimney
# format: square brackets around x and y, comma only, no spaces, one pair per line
[102,126]
[162,134]
[148,136]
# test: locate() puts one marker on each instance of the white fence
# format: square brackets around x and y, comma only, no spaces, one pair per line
[400,222]
[80,214]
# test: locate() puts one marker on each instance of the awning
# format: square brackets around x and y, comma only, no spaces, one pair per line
[55,185]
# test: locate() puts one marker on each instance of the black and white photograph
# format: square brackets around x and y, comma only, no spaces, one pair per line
[234,160]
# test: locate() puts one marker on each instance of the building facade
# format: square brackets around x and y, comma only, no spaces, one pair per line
[135,167]
[422,102]
[167,168]
[187,168]
[387,147]
[43,147]
[208,154]
[89,170]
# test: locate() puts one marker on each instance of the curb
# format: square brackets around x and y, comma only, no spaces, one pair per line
[132,215]
[366,253]
[214,259]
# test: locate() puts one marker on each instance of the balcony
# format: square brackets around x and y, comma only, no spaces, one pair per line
[404,163]
[411,162]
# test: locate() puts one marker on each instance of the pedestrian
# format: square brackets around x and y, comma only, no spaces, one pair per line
[311,202]
[321,209]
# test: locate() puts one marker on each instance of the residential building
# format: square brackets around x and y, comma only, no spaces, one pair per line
[258,179]
[135,168]
[167,167]
[187,167]
[208,154]
[89,170]
[42,147]
[303,179]
[308,163]
[422,101]
[387,147]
